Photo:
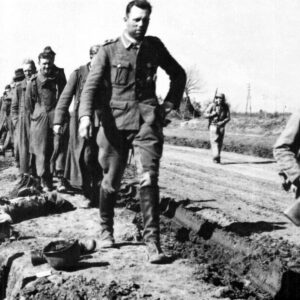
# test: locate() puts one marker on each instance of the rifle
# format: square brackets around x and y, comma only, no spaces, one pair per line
[215,94]
[210,119]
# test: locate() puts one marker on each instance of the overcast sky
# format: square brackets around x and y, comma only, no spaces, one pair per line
[231,42]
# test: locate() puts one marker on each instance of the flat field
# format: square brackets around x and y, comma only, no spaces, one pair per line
[252,135]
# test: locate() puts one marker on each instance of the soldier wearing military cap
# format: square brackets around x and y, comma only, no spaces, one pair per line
[60,73]
[62,139]
[218,114]
[82,168]
[132,117]
[42,93]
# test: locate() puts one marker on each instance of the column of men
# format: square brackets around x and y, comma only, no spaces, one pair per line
[117,88]
[36,115]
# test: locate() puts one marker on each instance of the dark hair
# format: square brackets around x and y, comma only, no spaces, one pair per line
[7,87]
[143,4]
[45,55]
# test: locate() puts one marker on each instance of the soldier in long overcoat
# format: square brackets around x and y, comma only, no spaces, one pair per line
[21,120]
[82,169]
[131,116]
[43,93]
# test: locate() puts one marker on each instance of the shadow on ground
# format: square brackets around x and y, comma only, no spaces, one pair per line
[248,162]
[248,228]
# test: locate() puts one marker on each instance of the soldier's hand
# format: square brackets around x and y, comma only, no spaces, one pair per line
[85,127]
[57,129]
[168,106]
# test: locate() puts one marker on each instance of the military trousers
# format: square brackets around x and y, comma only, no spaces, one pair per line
[114,146]
[216,135]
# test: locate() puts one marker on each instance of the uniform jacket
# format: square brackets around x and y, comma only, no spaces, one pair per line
[131,77]
[42,94]
[72,89]
[59,73]
[217,114]
[287,147]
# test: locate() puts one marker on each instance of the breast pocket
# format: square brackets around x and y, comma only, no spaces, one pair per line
[120,73]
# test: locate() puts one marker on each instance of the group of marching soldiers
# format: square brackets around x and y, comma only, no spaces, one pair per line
[39,123]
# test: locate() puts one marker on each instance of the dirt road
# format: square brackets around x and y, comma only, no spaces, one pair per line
[243,192]
[242,189]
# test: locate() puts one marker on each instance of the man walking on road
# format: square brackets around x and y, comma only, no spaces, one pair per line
[42,93]
[82,169]
[218,114]
[20,110]
[131,116]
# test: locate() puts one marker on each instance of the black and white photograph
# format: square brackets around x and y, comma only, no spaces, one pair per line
[149,149]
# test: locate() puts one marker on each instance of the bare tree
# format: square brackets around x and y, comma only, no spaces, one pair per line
[194,85]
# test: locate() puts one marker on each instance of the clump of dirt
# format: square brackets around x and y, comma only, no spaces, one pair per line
[214,262]
[261,267]
[79,288]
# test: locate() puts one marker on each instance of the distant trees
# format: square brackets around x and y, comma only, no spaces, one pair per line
[194,85]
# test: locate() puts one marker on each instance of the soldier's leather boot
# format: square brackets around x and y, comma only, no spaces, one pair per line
[149,196]
[106,208]
[46,183]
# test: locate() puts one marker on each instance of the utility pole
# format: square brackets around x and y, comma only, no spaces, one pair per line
[248,101]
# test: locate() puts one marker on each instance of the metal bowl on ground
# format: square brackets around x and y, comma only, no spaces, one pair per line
[62,254]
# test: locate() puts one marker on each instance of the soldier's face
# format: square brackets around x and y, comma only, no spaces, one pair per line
[219,101]
[137,22]
[45,66]
[28,70]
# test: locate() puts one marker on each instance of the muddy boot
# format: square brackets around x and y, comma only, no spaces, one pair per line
[149,196]
[23,181]
[106,208]
[46,183]
[217,160]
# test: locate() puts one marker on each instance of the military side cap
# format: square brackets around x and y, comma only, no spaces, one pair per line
[49,50]
[7,87]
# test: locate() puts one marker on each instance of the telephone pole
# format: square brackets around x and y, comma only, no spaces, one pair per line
[248,101]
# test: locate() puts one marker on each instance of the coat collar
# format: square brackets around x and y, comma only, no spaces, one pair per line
[128,41]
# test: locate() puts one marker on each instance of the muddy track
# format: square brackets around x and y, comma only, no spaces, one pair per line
[242,189]
[242,250]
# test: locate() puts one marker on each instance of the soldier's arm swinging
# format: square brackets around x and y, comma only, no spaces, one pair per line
[89,92]
[64,102]
[287,147]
